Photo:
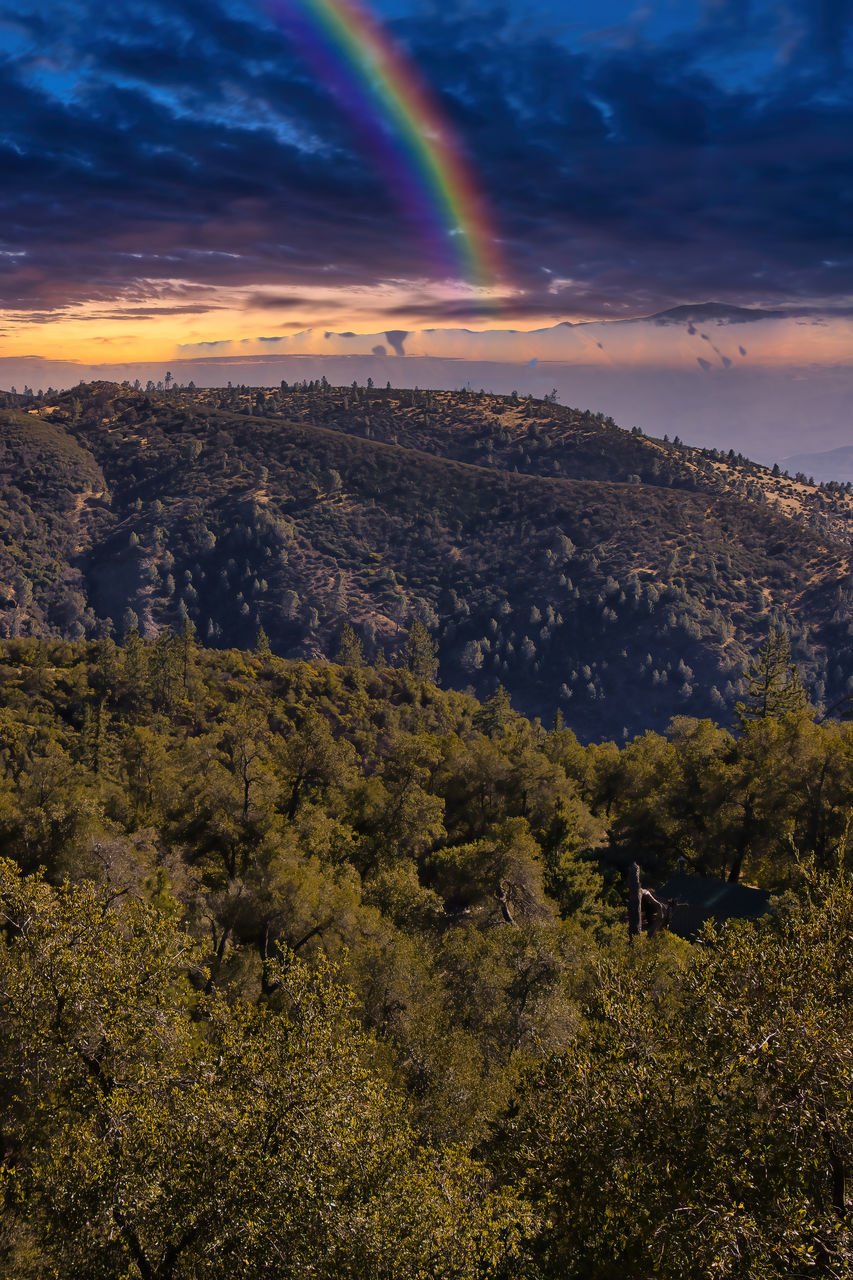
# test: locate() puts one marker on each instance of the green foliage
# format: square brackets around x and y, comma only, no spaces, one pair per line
[761,802]
[158,1132]
[773,682]
[701,1124]
[421,651]
[321,970]
[360,819]
[351,651]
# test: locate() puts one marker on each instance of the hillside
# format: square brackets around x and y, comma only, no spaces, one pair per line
[617,578]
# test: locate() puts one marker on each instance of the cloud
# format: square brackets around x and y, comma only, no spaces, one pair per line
[144,313]
[826,28]
[277,301]
[495,308]
[153,143]
[396,338]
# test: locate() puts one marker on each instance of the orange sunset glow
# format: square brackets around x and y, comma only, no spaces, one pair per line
[184,321]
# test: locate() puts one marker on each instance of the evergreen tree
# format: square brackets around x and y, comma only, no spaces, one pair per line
[774,688]
[166,668]
[187,649]
[350,652]
[262,645]
[135,666]
[129,622]
[421,651]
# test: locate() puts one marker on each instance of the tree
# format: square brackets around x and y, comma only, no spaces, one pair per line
[262,645]
[129,622]
[421,652]
[350,650]
[166,666]
[500,877]
[773,682]
[472,656]
[135,666]
[187,649]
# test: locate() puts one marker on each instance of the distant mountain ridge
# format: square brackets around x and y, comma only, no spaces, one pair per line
[685,314]
[724,312]
[719,376]
[828,465]
[614,577]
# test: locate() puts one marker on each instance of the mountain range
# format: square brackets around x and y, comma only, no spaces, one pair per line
[718,376]
[614,577]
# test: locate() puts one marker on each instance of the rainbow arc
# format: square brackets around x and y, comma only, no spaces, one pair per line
[413,142]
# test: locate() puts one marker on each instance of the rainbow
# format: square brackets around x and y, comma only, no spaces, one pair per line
[387,98]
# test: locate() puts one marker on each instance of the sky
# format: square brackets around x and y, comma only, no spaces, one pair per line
[185,178]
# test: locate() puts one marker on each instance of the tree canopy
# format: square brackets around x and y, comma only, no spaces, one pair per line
[321,970]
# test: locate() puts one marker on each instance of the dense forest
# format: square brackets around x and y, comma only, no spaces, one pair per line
[316,969]
[620,579]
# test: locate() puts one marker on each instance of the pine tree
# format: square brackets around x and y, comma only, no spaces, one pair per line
[350,652]
[421,651]
[166,667]
[774,688]
[186,648]
[262,645]
[134,660]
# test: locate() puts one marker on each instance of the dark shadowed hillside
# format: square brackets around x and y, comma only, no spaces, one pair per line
[614,577]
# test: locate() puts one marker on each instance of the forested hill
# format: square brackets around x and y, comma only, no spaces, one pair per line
[614,577]
[320,971]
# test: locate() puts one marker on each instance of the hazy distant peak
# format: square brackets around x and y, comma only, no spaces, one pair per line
[827,464]
[723,312]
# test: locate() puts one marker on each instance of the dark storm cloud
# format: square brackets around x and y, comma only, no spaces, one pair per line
[827,25]
[187,141]
[277,301]
[505,308]
[117,182]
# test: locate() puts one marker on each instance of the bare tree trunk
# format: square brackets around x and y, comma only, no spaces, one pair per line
[838,1179]
[744,841]
[501,896]
[635,901]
